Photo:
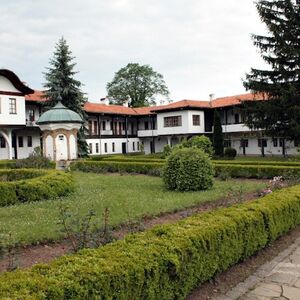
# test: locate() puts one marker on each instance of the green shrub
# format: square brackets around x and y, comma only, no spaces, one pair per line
[167,150]
[188,169]
[118,166]
[230,153]
[253,163]
[201,142]
[257,171]
[166,262]
[27,185]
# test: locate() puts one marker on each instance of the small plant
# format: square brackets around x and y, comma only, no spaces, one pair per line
[8,250]
[230,153]
[236,195]
[224,175]
[84,232]
[167,150]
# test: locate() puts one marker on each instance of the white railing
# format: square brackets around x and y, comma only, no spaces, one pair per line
[147,133]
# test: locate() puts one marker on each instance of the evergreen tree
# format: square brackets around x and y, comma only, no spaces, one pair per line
[218,141]
[280,85]
[61,84]
[137,84]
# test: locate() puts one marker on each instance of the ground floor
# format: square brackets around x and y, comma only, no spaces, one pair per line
[17,143]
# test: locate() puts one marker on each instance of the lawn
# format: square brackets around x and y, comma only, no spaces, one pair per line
[127,197]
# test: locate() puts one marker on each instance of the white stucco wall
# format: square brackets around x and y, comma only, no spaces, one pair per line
[49,147]
[186,126]
[73,147]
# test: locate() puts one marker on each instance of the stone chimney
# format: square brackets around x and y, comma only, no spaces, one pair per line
[126,103]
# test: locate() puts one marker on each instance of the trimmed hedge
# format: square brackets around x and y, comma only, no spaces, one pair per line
[264,163]
[257,171]
[166,262]
[233,170]
[118,166]
[14,164]
[27,185]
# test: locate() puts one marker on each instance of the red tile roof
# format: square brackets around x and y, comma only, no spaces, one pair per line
[91,107]
[36,97]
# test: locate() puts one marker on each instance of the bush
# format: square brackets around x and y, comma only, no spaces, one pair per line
[27,185]
[201,142]
[36,162]
[167,150]
[188,169]
[230,153]
[118,166]
[166,262]
[257,171]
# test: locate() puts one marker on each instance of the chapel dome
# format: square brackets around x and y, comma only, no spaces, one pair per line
[59,114]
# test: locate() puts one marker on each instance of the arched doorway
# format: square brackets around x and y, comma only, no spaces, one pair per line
[61,147]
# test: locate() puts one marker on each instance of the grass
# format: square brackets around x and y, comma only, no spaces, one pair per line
[127,197]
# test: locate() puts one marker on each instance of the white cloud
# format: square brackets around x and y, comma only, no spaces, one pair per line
[199,46]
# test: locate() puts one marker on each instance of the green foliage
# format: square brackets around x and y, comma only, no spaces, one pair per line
[167,150]
[137,84]
[188,169]
[230,153]
[35,161]
[257,171]
[280,115]
[27,185]
[201,142]
[166,262]
[118,166]
[61,84]
[218,141]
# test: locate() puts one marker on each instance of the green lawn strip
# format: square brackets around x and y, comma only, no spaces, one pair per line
[127,197]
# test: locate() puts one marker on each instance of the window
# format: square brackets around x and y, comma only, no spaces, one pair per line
[262,143]
[244,143]
[236,118]
[20,141]
[97,147]
[113,147]
[95,127]
[196,120]
[281,141]
[275,142]
[227,143]
[105,147]
[138,146]
[61,137]
[172,121]
[29,141]
[91,147]
[90,127]
[124,126]
[12,106]
[146,125]
[133,146]
[111,125]
[103,125]
[2,142]
[31,115]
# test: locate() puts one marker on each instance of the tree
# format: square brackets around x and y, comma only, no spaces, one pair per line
[61,84]
[218,141]
[136,84]
[280,85]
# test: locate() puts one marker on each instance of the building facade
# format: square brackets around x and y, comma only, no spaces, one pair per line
[114,129]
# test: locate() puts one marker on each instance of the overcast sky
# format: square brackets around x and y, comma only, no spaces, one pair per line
[200,47]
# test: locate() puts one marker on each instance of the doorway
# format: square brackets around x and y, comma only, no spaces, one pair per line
[124,148]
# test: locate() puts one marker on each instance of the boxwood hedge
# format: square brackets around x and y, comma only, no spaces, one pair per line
[166,262]
[26,185]
[154,168]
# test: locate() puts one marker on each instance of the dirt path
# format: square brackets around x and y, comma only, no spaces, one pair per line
[33,254]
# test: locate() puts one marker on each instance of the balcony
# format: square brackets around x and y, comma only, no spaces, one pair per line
[147,133]
[235,128]
[31,123]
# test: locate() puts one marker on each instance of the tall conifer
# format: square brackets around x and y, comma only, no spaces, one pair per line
[280,115]
[218,142]
[60,83]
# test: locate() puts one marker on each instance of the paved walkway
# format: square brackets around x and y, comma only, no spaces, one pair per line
[278,279]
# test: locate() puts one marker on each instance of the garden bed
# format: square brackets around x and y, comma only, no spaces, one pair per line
[28,185]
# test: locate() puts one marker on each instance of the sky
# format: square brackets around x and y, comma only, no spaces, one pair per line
[200,47]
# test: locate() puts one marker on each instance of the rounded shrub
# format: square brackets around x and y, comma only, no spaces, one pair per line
[201,142]
[188,169]
[230,153]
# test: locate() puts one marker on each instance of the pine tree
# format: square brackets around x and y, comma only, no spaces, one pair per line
[61,84]
[218,141]
[280,114]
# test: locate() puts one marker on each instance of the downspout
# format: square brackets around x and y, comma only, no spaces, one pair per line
[99,133]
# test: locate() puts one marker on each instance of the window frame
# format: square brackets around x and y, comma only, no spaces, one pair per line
[173,121]
[12,106]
